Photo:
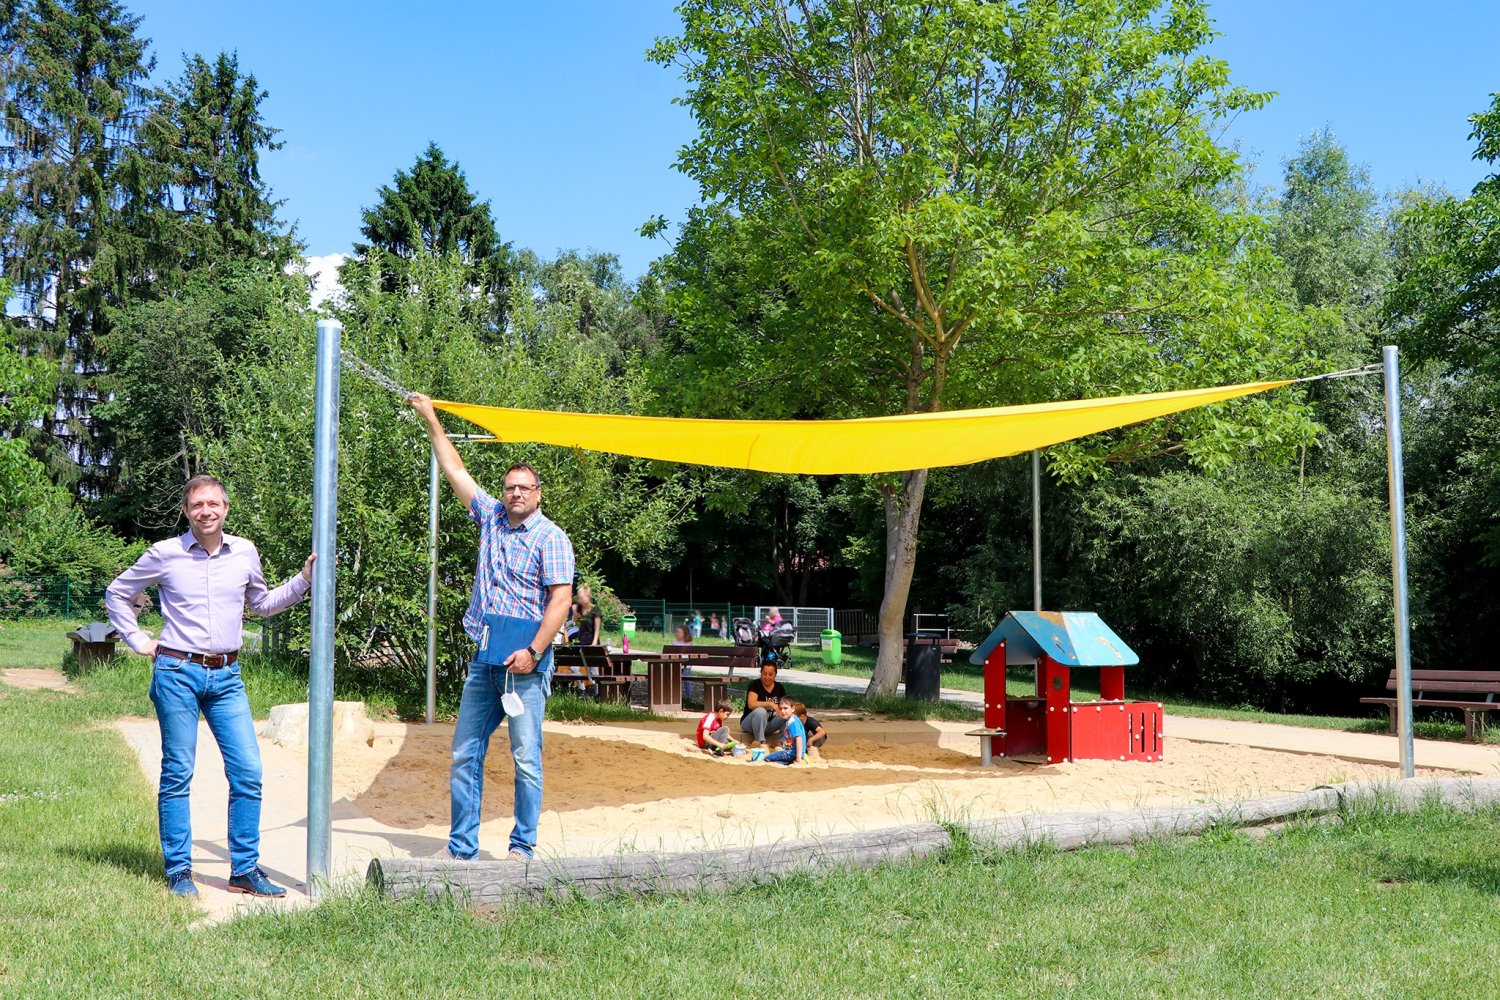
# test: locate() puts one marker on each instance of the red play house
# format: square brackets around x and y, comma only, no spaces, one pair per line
[1052,723]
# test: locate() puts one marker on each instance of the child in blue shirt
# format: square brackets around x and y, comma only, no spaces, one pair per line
[794,745]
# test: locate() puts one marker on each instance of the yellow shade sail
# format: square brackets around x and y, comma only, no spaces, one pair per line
[828,447]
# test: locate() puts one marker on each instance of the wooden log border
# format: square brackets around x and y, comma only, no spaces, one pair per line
[493,883]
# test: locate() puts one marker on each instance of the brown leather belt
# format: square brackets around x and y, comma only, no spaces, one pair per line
[212,661]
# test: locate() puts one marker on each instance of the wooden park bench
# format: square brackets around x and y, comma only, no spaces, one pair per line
[591,665]
[726,658]
[1429,688]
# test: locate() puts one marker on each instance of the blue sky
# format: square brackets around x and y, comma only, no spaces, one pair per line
[558,120]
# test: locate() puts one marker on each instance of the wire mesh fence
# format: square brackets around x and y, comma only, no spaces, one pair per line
[48,597]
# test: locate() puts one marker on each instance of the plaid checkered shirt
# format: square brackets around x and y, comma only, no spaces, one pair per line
[516,564]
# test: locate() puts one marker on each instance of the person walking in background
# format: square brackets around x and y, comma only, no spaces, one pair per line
[696,624]
[205,578]
[587,620]
[715,627]
[523,585]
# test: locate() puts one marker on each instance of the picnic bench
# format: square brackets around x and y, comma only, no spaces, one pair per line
[587,665]
[726,658]
[1429,688]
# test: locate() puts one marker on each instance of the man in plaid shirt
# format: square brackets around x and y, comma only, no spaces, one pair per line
[523,590]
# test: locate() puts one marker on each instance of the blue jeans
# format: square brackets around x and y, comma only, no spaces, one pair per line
[781,757]
[762,725]
[479,713]
[180,690]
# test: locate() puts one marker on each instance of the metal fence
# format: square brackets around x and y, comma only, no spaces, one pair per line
[809,622]
[652,614]
[49,597]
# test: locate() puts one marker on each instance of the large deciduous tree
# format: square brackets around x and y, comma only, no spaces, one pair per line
[961,203]
[1445,306]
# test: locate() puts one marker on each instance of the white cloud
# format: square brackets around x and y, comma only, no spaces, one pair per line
[324,272]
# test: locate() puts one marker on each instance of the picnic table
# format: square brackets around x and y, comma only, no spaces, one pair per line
[663,675]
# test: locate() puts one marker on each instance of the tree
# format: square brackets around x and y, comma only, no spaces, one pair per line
[424,339]
[430,212]
[972,203]
[44,533]
[1332,237]
[1444,303]
[210,323]
[1244,587]
[73,99]
[191,191]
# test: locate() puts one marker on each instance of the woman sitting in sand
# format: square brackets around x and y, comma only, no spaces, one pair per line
[761,721]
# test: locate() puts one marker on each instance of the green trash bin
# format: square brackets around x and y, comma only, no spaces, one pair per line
[833,647]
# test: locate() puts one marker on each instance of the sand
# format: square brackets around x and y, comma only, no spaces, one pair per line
[645,786]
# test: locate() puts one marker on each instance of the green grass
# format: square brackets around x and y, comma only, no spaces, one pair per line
[1377,905]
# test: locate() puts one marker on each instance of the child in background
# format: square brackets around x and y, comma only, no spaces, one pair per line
[713,734]
[794,747]
[816,734]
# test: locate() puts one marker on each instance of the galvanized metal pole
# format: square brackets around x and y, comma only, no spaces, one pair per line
[1036,530]
[432,553]
[1397,478]
[320,680]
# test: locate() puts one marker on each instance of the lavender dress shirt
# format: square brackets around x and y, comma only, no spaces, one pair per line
[203,597]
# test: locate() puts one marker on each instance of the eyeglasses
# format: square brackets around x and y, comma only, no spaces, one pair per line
[519,488]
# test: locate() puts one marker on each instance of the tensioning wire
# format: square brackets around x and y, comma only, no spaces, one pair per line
[1346,373]
[362,368]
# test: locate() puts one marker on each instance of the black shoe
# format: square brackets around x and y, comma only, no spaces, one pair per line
[181,884]
[255,883]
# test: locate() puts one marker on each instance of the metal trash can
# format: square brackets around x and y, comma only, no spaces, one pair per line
[924,675]
[833,647]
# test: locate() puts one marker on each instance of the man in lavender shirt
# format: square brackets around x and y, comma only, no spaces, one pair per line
[205,579]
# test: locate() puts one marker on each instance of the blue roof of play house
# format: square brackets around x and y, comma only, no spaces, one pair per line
[1072,638]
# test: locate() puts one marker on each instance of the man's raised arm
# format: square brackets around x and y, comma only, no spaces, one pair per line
[447,456]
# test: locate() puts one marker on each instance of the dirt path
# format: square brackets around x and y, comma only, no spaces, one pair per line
[37,679]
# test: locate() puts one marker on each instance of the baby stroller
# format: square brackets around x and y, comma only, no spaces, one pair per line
[776,645]
[743,632]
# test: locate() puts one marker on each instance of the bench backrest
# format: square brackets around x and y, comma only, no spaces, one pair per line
[718,656]
[1451,681]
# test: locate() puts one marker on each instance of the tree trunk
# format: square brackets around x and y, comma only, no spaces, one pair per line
[903,512]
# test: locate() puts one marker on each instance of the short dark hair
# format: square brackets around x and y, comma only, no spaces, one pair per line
[723,706]
[202,480]
[523,467]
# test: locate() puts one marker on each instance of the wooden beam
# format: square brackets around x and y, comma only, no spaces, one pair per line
[488,883]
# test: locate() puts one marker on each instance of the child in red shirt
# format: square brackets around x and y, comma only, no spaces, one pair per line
[713,734]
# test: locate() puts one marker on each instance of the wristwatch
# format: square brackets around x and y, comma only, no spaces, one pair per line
[534,654]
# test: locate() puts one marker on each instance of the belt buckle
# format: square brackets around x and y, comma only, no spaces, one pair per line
[213,659]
